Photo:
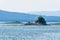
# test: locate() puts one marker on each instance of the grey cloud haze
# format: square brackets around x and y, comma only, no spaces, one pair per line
[30,5]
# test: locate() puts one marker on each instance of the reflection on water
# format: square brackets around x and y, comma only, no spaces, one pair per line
[51,32]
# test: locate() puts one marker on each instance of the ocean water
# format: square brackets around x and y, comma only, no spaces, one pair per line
[16,32]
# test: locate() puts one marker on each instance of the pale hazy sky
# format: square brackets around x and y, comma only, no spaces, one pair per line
[30,5]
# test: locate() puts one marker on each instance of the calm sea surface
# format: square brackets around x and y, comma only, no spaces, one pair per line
[10,32]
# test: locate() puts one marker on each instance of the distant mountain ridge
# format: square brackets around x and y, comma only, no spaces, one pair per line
[6,16]
[15,16]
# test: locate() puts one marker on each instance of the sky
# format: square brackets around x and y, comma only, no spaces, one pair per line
[30,5]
